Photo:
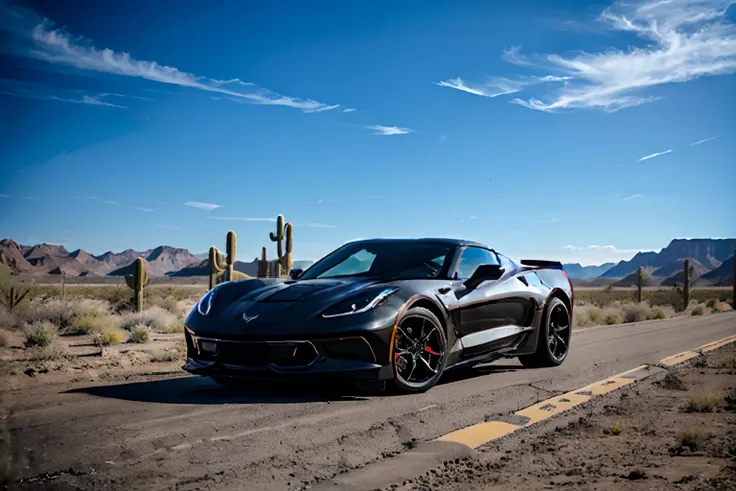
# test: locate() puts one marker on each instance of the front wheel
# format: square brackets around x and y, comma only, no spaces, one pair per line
[554,337]
[419,351]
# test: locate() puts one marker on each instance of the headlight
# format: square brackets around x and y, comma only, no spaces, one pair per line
[205,303]
[361,303]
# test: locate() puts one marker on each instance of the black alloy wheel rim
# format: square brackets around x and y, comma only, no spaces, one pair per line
[419,351]
[558,336]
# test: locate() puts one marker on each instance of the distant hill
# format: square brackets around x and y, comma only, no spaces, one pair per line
[720,276]
[625,268]
[577,272]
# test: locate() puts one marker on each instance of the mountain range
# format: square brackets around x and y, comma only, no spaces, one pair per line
[711,262]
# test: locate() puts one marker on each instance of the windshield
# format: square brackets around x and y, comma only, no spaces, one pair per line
[383,260]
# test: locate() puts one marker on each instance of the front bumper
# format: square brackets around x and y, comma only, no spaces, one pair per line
[359,357]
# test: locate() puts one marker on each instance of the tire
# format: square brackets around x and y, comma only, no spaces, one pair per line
[432,351]
[548,352]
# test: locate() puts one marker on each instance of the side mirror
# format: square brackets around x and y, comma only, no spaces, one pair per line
[294,273]
[484,272]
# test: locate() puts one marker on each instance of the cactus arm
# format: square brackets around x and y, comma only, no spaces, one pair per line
[279,237]
[232,245]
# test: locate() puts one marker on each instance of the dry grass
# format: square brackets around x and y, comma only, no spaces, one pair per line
[698,310]
[139,335]
[54,352]
[109,338]
[702,404]
[613,319]
[636,312]
[657,314]
[40,334]
[692,439]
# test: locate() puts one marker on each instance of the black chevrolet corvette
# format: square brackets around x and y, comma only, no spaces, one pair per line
[396,311]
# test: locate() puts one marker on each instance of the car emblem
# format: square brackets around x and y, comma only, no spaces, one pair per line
[248,319]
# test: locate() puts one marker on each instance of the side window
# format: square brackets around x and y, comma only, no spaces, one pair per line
[471,258]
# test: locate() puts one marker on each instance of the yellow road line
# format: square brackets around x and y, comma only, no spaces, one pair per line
[633,370]
[606,386]
[679,358]
[717,344]
[477,435]
[546,409]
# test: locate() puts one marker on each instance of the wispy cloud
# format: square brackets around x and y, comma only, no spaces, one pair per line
[168,227]
[497,86]
[243,219]
[656,154]
[388,130]
[140,208]
[571,247]
[36,37]
[110,202]
[91,197]
[372,197]
[348,110]
[202,206]
[703,141]
[633,196]
[686,40]
[93,100]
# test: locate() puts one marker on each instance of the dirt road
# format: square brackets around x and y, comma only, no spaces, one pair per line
[184,433]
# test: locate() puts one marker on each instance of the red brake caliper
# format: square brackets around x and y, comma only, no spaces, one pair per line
[430,350]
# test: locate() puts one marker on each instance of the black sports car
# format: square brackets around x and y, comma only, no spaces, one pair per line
[400,311]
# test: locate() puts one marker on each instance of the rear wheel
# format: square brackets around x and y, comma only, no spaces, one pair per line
[554,337]
[419,351]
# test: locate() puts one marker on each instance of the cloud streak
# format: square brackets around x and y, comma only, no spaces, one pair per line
[202,206]
[656,154]
[633,196]
[703,141]
[685,40]
[389,130]
[497,86]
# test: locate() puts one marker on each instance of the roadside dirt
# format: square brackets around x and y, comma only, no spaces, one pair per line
[659,434]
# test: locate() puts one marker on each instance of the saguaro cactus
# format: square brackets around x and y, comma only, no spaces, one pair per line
[686,286]
[12,297]
[138,281]
[283,232]
[232,245]
[217,265]
[263,264]
[639,283]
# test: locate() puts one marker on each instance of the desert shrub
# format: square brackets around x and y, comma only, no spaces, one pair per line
[139,335]
[595,315]
[691,439]
[722,307]
[65,313]
[8,320]
[673,381]
[616,430]
[612,319]
[40,334]
[108,338]
[711,303]
[173,328]
[166,356]
[657,314]
[698,310]
[155,319]
[702,404]
[170,304]
[4,341]
[54,352]
[635,312]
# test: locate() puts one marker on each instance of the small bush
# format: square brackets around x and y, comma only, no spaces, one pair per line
[7,320]
[54,352]
[170,304]
[4,341]
[596,316]
[612,319]
[139,335]
[711,303]
[173,328]
[166,356]
[41,334]
[702,404]
[672,381]
[108,338]
[691,439]
[154,319]
[636,313]
[698,310]
[616,430]
[657,314]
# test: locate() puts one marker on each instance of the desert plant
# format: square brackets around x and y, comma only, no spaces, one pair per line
[691,439]
[173,328]
[702,404]
[636,313]
[711,303]
[217,265]
[657,314]
[673,381]
[165,356]
[596,316]
[4,341]
[139,335]
[155,319]
[283,233]
[639,284]
[616,430]
[108,338]
[53,352]
[12,296]
[263,264]
[41,334]
[686,285]
[85,325]
[698,310]
[137,282]
[612,319]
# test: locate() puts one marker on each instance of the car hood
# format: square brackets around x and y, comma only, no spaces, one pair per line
[272,304]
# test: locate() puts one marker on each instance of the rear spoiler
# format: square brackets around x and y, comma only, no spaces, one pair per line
[540,263]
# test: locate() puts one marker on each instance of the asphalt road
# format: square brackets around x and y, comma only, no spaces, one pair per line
[188,433]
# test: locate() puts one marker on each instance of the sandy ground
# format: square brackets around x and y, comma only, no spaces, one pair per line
[641,438]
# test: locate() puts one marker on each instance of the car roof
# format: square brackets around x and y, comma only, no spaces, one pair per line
[427,240]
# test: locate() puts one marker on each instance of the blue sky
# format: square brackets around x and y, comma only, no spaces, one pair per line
[579,132]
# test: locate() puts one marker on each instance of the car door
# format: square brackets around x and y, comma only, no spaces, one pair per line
[496,311]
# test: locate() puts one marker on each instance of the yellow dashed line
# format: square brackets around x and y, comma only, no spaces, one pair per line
[476,435]
[633,370]
[605,386]
[550,407]
[679,358]
[717,344]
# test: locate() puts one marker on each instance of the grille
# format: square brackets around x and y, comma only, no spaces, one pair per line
[287,354]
